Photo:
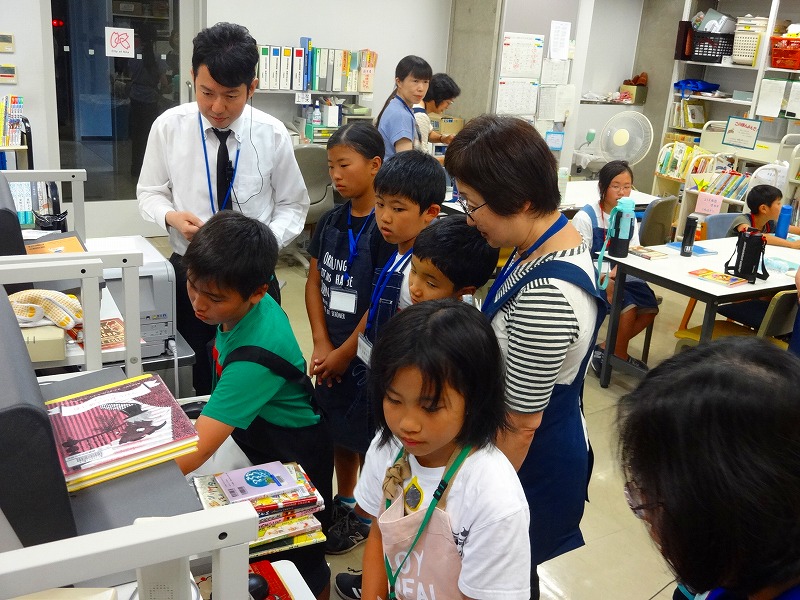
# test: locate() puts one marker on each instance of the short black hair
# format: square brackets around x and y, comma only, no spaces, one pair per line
[762,194]
[234,251]
[229,52]
[441,88]
[408,65]
[711,437]
[508,163]
[362,137]
[458,251]
[413,175]
[451,343]
[610,170]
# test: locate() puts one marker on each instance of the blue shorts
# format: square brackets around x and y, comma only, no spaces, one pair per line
[637,294]
[347,409]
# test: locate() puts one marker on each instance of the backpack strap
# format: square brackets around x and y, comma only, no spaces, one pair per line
[592,216]
[277,364]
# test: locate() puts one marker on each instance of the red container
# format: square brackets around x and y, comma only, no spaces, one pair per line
[785,52]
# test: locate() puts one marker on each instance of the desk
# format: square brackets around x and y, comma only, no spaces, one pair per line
[672,273]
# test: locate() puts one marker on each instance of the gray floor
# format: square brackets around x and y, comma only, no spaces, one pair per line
[619,560]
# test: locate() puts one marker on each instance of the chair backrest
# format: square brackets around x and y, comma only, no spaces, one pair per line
[656,225]
[771,174]
[717,226]
[313,162]
[780,316]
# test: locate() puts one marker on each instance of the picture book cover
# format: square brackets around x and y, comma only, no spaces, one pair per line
[697,249]
[647,253]
[717,277]
[116,426]
[298,541]
[285,529]
[268,479]
[112,334]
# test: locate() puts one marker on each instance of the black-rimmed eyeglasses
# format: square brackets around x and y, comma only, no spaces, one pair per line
[467,210]
[634,497]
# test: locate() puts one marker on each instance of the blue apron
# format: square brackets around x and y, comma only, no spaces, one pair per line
[555,473]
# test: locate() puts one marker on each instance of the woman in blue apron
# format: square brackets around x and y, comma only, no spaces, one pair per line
[545,310]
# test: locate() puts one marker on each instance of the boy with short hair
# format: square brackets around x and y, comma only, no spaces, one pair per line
[450,260]
[229,265]
[764,202]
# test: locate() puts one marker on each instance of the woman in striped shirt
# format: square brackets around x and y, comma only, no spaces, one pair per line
[545,310]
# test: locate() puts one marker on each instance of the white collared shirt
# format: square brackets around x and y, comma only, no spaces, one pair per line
[268,184]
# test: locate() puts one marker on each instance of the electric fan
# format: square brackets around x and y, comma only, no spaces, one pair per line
[626,136]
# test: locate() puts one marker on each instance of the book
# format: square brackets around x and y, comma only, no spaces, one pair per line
[285,529]
[55,243]
[112,430]
[112,334]
[717,277]
[697,249]
[647,253]
[258,481]
[298,541]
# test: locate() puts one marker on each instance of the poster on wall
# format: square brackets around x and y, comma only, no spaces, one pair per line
[522,55]
[517,96]
[741,132]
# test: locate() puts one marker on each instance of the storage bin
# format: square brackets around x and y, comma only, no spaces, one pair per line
[758,24]
[711,47]
[745,47]
[785,52]
[772,129]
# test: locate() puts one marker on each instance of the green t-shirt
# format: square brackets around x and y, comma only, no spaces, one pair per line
[246,389]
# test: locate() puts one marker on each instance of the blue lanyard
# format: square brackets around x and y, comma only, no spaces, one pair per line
[383,280]
[353,240]
[511,264]
[208,171]
[413,118]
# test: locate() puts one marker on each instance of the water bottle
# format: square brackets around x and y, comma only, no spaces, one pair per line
[563,178]
[688,236]
[316,116]
[785,218]
[621,230]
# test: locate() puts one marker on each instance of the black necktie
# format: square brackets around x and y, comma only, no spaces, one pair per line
[223,163]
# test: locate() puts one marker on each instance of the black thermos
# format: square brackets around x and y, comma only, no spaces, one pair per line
[688,236]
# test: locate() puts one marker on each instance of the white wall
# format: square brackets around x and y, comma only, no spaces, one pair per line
[392,29]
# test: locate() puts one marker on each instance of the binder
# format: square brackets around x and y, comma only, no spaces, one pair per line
[305,44]
[263,67]
[274,67]
[352,76]
[298,67]
[336,76]
[322,69]
[286,68]
[315,69]
[331,72]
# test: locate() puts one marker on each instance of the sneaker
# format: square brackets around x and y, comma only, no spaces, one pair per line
[597,359]
[348,586]
[346,534]
[339,510]
[638,364]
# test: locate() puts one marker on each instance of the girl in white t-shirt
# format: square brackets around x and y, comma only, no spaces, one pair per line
[452,515]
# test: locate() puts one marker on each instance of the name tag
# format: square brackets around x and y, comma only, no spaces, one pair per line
[343,300]
[364,350]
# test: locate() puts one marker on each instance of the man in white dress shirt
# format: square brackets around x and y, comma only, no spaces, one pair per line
[218,153]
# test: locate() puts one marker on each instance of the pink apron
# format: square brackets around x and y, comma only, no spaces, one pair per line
[432,569]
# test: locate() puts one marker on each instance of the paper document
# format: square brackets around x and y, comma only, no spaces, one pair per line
[559,40]
[517,96]
[770,97]
[793,104]
[555,71]
[565,98]
[522,55]
[547,102]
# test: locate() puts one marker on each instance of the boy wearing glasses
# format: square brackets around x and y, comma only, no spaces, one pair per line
[639,305]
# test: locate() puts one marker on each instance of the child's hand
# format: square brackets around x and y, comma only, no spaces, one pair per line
[332,367]
[318,355]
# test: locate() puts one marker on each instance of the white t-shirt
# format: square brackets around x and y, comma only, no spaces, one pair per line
[488,513]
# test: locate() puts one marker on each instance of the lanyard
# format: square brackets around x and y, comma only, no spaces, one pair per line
[440,489]
[413,118]
[383,280]
[353,240]
[511,264]
[208,171]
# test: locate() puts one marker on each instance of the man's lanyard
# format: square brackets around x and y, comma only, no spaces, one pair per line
[511,264]
[208,171]
[383,280]
[440,489]
[353,240]
[413,118]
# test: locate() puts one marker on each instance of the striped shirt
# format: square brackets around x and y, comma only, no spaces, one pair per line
[545,332]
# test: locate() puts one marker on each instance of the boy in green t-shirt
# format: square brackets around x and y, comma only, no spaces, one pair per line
[229,265]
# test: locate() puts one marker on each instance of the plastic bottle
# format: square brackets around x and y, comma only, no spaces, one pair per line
[688,236]
[785,218]
[563,178]
[316,116]
[621,230]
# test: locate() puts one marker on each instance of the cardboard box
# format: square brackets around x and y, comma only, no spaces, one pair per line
[122,7]
[44,343]
[637,92]
[446,125]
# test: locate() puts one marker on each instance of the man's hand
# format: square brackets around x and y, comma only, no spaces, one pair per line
[184,221]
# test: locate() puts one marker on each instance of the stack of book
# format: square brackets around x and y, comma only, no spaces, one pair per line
[11,120]
[677,160]
[729,184]
[284,498]
[116,429]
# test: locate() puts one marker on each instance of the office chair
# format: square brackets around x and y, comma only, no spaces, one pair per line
[778,321]
[313,162]
[717,226]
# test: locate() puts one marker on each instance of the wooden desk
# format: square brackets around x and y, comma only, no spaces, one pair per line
[672,273]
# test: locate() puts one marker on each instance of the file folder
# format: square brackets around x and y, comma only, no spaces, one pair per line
[298,67]
[263,67]
[286,68]
[274,67]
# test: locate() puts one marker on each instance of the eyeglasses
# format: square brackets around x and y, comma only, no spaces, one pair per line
[467,210]
[618,188]
[634,497]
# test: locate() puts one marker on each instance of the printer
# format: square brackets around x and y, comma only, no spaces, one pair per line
[156,290]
